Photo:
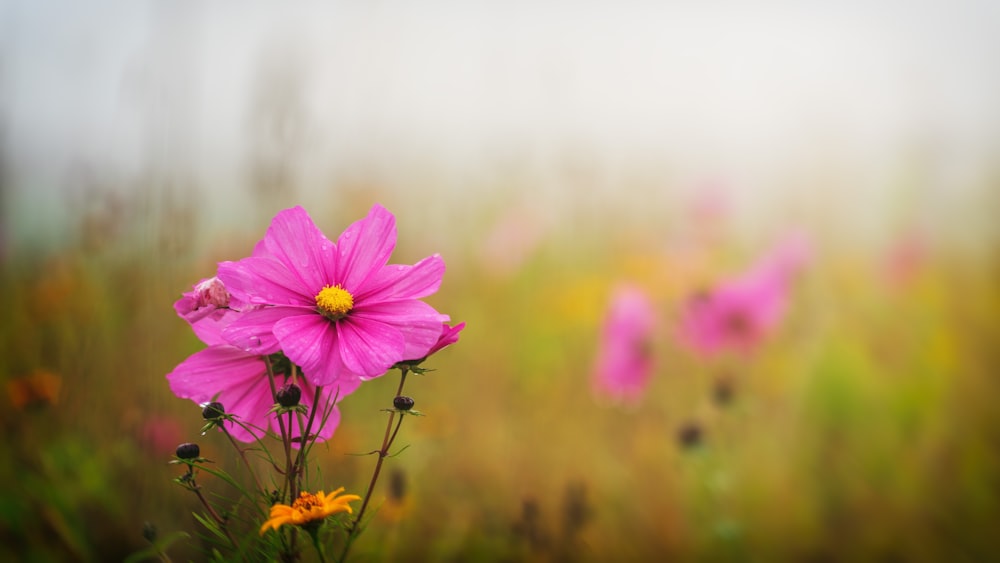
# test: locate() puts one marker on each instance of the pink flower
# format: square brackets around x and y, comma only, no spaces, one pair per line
[742,312]
[624,359]
[335,309]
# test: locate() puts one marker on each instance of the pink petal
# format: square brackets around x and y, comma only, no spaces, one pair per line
[364,248]
[417,322]
[295,241]
[449,336]
[253,331]
[368,347]
[227,374]
[311,341]
[265,280]
[404,282]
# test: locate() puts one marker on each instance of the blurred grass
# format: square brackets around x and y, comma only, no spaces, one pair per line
[865,430]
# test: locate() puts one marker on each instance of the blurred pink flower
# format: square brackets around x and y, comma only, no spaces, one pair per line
[624,360]
[511,241]
[234,377]
[742,312]
[337,310]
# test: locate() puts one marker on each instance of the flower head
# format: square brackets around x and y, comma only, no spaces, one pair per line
[624,358]
[308,509]
[741,312]
[338,310]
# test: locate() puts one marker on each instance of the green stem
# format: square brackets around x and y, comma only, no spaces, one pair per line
[245,461]
[215,515]
[387,439]
[318,546]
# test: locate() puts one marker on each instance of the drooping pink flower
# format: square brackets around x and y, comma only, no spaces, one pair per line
[237,378]
[741,312]
[624,360]
[338,310]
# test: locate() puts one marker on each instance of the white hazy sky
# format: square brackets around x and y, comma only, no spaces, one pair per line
[743,91]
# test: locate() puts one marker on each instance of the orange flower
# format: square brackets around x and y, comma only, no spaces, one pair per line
[39,388]
[309,508]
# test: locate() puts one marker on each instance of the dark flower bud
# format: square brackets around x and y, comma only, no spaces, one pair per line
[188,451]
[289,395]
[689,435]
[213,410]
[149,531]
[402,403]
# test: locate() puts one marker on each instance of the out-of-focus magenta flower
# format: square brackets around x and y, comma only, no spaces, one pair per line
[511,242]
[238,380]
[624,360]
[338,310]
[788,257]
[740,313]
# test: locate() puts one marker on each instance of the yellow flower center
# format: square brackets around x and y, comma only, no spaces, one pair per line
[305,502]
[334,302]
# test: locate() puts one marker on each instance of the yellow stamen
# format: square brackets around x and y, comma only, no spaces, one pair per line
[334,302]
[305,502]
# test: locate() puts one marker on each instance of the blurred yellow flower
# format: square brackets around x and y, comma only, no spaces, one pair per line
[309,508]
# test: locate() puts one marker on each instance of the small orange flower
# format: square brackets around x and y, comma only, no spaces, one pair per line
[38,389]
[309,508]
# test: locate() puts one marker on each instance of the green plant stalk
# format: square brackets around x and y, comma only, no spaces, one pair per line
[388,438]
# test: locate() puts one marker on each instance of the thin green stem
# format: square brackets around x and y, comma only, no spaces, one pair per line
[215,515]
[246,462]
[390,435]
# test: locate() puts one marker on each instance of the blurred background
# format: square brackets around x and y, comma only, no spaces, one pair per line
[550,151]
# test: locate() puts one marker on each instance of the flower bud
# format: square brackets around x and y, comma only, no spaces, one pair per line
[689,435]
[149,531]
[403,403]
[188,451]
[289,395]
[213,411]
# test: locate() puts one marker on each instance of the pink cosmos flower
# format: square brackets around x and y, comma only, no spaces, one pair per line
[335,309]
[743,311]
[236,378]
[624,359]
